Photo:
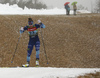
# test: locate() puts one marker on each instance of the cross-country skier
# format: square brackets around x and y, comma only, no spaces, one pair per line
[33,39]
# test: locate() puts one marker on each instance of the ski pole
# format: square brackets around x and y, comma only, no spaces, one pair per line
[43,45]
[16,48]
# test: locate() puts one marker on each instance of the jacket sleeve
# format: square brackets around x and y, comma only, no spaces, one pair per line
[41,25]
[25,28]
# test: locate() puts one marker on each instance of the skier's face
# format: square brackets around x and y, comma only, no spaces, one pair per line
[30,23]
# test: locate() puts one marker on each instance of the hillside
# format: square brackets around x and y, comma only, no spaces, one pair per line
[70,41]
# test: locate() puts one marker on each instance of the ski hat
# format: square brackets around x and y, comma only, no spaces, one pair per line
[30,21]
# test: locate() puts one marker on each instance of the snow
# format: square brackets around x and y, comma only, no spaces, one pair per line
[44,72]
[40,72]
[14,9]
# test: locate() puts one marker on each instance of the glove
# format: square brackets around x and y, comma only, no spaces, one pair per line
[22,28]
[39,21]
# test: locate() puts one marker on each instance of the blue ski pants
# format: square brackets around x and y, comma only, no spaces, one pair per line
[33,41]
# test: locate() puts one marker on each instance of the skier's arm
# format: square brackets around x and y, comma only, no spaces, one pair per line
[40,24]
[23,29]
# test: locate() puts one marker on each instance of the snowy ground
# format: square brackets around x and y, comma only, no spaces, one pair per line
[41,72]
[44,72]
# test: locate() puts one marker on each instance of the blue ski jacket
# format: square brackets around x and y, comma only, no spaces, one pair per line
[33,31]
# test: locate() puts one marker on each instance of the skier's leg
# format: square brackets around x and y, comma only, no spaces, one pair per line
[30,48]
[37,46]
[29,51]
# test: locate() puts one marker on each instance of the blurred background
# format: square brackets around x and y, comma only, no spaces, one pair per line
[90,5]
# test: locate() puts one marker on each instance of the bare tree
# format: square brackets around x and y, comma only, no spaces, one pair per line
[38,5]
[35,1]
[97,9]
[81,7]
[29,4]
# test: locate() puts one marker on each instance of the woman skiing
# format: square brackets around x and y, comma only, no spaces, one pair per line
[33,39]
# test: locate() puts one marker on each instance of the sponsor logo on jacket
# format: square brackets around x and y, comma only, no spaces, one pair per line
[31,29]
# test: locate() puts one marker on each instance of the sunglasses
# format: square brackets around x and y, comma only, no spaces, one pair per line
[30,22]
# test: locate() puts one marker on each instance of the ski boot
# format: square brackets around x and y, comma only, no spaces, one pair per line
[37,63]
[26,65]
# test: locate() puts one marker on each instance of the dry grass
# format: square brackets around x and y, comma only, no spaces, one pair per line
[70,41]
[91,75]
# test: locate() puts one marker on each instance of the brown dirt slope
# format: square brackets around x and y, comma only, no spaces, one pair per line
[70,41]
